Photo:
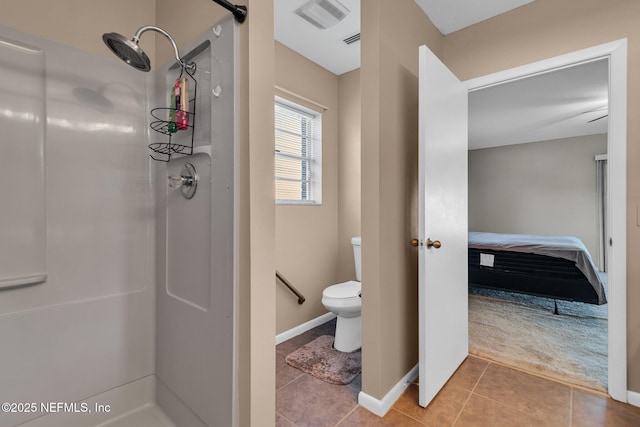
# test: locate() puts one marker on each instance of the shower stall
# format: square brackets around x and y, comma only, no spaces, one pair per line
[118,274]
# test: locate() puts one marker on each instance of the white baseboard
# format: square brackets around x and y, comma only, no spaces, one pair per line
[381,407]
[304,327]
[633,398]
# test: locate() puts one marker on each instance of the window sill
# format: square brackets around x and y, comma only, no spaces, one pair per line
[297,203]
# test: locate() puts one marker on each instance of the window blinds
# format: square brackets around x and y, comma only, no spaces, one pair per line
[297,153]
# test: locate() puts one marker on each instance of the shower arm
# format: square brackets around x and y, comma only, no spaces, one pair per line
[136,40]
[240,12]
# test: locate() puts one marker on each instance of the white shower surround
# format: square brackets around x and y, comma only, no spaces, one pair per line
[90,327]
[195,304]
[116,324]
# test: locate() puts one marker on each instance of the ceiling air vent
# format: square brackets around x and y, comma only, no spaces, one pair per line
[323,13]
[352,39]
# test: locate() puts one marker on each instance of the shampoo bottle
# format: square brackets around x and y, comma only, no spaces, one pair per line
[171,126]
[183,105]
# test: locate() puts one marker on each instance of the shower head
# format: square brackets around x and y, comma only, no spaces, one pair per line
[131,53]
[127,50]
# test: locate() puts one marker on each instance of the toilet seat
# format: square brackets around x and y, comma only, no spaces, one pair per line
[344,293]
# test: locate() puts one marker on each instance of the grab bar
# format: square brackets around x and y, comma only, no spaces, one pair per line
[292,288]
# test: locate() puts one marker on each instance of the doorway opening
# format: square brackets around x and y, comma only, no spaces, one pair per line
[613,56]
[533,196]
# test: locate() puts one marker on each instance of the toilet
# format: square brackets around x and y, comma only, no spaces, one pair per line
[345,301]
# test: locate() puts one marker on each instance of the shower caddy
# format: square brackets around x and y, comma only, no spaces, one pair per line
[161,125]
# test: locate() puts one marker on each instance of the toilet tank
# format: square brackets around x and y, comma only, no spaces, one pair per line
[357,256]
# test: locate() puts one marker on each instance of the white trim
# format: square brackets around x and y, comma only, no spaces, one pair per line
[616,52]
[617,191]
[381,407]
[546,65]
[294,332]
[298,202]
[633,398]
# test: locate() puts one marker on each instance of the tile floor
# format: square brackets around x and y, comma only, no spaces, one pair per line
[480,393]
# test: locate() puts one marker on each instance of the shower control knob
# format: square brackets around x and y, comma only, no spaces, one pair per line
[187,182]
[175,181]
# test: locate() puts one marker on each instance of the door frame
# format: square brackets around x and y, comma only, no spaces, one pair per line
[616,53]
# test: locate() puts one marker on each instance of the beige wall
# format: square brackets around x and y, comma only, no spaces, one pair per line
[349,171]
[391,34]
[546,187]
[80,23]
[547,28]
[307,236]
[185,21]
[329,259]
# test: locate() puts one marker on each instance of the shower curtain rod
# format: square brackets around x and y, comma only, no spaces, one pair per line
[240,12]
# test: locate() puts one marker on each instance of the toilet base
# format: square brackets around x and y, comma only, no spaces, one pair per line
[348,334]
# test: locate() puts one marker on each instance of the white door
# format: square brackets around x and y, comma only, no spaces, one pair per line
[443,329]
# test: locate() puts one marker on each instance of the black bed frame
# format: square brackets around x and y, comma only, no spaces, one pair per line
[532,274]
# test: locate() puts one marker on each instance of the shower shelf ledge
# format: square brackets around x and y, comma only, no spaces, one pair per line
[202,149]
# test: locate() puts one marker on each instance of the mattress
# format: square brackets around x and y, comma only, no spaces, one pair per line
[563,247]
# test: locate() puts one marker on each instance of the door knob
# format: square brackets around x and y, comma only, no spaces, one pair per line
[435,243]
[415,242]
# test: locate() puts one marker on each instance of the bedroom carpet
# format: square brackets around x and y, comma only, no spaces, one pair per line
[567,347]
[320,359]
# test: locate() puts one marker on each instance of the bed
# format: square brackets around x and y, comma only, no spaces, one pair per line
[558,267]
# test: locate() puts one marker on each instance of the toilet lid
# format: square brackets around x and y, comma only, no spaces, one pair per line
[349,289]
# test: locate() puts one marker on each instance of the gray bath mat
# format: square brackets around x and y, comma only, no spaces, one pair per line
[320,359]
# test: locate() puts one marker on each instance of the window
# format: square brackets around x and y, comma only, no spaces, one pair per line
[298,156]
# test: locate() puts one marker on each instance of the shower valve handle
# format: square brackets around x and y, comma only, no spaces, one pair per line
[187,181]
[178,181]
